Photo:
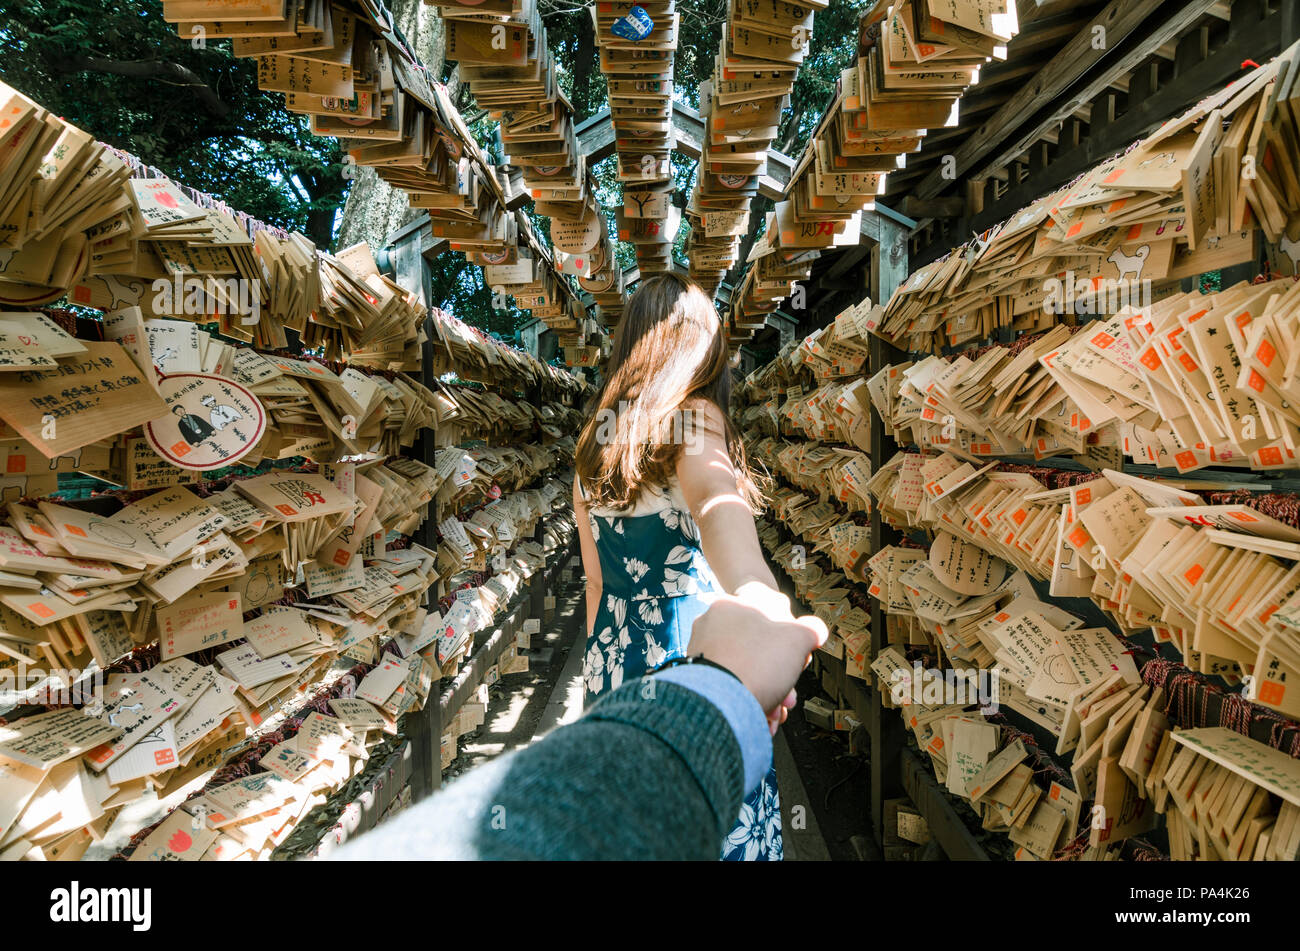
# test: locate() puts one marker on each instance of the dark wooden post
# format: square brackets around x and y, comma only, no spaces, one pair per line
[423,727]
[888,269]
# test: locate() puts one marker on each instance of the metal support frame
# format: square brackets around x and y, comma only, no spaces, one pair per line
[423,727]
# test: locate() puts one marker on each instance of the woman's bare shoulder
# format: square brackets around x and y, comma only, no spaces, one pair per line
[707,413]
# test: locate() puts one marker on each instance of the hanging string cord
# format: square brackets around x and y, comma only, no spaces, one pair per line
[140,169]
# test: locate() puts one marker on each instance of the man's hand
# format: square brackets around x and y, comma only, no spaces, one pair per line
[766,651]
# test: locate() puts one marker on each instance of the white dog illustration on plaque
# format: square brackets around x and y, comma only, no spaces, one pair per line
[1291,248]
[1159,160]
[1130,263]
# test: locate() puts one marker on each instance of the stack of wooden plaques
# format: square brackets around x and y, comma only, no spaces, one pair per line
[1218,581]
[817,581]
[638,66]
[259,597]
[770,280]
[588,346]
[904,82]
[536,124]
[535,118]
[1192,381]
[60,190]
[1226,797]
[359,81]
[1129,230]
[1151,555]
[238,405]
[112,242]
[981,763]
[1192,583]
[249,550]
[245,598]
[473,355]
[221,680]
[605,283]
[583,248]
[913,67]
[753,73]
[534,282]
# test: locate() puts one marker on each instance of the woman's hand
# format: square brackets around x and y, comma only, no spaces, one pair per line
[766,649]
[766,598]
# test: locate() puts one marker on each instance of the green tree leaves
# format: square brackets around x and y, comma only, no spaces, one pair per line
[186,106]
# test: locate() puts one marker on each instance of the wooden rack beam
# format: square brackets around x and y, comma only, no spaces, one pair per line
[1119,19]
[1115,72]
[1157,91]
[946,826]
[596,141]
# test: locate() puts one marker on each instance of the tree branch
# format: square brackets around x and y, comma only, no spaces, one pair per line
[173,74]
[291,180]
[560,6]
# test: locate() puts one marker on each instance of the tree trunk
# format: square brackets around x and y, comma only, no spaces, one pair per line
[374,210]
[758,209]
[582,63]
[791,132]
[320,227]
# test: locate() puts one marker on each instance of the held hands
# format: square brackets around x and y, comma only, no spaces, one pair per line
[776,606]
[769,600]
[764,646]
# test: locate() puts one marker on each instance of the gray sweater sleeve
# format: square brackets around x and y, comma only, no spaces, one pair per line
[646,774]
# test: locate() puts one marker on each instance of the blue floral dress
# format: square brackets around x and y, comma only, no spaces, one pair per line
[655,583]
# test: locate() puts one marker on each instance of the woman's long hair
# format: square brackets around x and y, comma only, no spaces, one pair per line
[669,350]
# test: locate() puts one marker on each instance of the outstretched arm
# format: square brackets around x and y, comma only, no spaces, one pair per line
[726,522]
[649,773]
[590,559]
[655,770]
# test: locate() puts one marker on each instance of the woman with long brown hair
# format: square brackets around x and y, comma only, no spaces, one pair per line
[665,504]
